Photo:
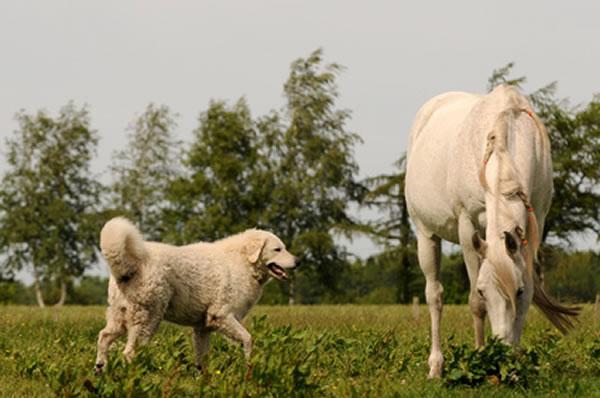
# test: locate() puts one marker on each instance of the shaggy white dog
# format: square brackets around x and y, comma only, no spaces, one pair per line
[209,286]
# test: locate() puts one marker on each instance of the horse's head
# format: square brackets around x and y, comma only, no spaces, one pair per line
[504,283]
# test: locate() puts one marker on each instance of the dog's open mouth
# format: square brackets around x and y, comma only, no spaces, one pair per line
[277,271]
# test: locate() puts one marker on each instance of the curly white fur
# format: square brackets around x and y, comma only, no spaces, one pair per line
[209,286]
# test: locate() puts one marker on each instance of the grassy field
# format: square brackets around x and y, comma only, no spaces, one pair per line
[346,351]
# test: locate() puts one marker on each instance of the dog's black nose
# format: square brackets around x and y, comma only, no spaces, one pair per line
[297,261]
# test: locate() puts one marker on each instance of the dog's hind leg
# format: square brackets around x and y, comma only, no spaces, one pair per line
[115,327]
[201,339]
[233,329]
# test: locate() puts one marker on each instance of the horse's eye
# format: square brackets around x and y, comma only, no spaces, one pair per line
[480,292]
[520,292]
[278,249]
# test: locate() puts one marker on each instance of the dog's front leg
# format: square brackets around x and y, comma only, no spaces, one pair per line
[112,331]
[201,339]
[233,329]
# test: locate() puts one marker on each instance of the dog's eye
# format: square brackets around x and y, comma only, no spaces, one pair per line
[278,249]
[520,292]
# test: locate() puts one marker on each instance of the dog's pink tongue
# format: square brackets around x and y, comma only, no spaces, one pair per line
[280,272]
[277,271]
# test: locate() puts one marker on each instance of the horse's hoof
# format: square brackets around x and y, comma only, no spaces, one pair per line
[434,375]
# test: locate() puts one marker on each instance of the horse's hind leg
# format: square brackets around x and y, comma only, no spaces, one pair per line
[429,249]
[476,304]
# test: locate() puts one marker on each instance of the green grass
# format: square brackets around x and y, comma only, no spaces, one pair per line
[346,351]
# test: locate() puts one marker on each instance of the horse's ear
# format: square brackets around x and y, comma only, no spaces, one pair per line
[510,243]
[479,244]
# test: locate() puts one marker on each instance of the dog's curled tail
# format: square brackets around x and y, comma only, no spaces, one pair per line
[123,248]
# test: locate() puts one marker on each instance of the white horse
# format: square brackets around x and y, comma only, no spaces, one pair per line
[481,163]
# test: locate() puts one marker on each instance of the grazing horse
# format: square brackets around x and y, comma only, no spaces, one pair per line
[480,164]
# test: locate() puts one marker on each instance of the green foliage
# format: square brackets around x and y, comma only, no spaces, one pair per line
[500,76]
[11,291]
[144,169]
[314,176]
[393,230]
[573,277]
[291,172]
[223,190]
[376,280]
[89,290]
[324,351]
[455,279]
[495,363]
[49,199]
[575,139]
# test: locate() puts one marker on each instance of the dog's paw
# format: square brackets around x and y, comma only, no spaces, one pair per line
[249,371]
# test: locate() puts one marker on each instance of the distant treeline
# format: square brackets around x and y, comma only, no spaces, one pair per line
[572,277]
[291,171]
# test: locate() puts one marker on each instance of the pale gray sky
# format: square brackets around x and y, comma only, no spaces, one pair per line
[119,55]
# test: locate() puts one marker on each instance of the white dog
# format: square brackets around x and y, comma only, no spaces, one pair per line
[209,286]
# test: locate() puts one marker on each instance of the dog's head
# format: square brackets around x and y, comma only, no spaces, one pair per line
[268,253]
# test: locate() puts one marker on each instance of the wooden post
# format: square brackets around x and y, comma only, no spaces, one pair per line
[415,308]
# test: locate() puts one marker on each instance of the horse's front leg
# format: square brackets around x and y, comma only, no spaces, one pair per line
[472,262]
[429,249]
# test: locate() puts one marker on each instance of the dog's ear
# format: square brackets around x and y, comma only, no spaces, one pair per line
[255,249]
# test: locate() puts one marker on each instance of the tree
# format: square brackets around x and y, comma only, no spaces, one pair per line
[49,199]
[291,172]
[393,230]
[143,170]
[575,139]
[314,175]
[223,190]
[91,290]
[574,276]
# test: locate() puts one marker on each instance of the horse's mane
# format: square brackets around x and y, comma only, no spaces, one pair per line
[510,188]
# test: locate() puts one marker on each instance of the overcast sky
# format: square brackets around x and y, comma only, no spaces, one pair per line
[117,56]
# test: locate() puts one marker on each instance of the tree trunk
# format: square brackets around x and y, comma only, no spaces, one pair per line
[405,277]
[405,264]
[292,290]
[38,288]
[63,293]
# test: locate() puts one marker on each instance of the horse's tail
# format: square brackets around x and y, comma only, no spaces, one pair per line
[560,315]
